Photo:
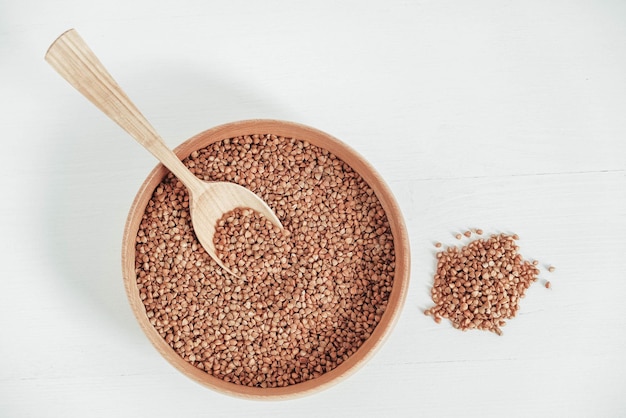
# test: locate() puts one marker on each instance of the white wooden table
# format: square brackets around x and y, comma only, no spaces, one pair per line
[508,116]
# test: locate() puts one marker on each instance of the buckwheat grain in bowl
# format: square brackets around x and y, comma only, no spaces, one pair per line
[310,303]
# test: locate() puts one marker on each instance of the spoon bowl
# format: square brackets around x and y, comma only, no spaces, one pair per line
[213,199]
[70,56]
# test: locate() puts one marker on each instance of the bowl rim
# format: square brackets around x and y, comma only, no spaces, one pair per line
[314,136]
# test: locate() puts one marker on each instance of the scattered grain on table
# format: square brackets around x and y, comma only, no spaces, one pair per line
[480,285]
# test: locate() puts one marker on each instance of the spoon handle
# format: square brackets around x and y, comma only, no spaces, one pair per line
[70,56]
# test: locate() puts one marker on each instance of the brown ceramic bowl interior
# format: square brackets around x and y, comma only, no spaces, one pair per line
[320,139]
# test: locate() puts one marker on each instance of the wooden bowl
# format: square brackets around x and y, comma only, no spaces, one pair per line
[322,140]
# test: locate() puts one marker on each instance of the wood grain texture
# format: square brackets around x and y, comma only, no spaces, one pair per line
[506,116]
[72,58]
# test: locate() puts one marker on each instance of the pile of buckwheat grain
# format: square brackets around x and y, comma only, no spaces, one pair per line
[479,286]
[304,299]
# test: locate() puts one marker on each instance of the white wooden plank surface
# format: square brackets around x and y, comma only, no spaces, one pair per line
[508,116]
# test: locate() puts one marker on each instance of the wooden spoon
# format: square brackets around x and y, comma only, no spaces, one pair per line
[70,56]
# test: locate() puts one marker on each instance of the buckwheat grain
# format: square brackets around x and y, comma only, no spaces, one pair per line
[307,297]
[479,286]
